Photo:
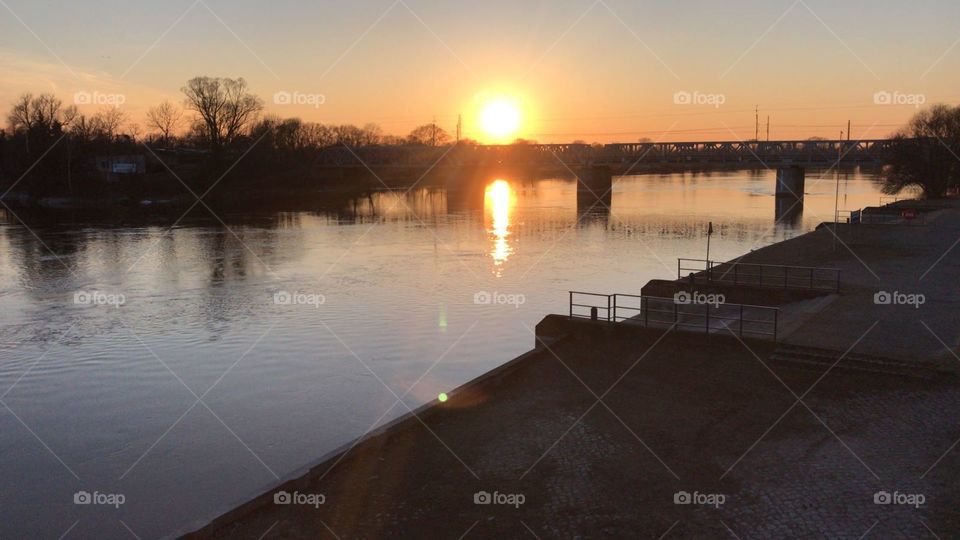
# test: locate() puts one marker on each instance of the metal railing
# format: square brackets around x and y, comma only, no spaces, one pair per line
[576,309]
[761,275]
[655,312]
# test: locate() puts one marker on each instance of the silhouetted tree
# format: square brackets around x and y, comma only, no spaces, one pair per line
[166,118]
[926,153]
[108,121]
[39,118]
[224,106]
[428,135]
[371,135]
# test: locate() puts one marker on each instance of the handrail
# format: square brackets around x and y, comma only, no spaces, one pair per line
[766,264]
[802,277]
[739,318]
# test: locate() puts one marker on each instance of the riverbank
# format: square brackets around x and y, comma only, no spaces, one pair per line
[600,427]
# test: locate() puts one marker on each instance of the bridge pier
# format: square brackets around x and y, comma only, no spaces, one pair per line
[790,182]
[788,210]
[594,189]
[596,179]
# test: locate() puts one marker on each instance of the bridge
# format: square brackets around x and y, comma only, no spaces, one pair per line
[620,156]
[595,165]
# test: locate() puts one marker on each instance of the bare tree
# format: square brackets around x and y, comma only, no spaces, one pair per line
[224,106]
[371,134]
[165,118]
[108,121]
[925,154]
[41,116]
[428,135]
[134,131]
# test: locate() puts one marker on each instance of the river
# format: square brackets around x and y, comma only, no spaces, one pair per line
[182,371]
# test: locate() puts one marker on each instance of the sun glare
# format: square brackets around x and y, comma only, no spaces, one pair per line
[500,118]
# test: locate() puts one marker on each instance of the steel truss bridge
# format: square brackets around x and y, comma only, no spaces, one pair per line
[617,157]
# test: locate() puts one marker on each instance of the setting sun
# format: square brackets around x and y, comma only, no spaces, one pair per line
[500,118]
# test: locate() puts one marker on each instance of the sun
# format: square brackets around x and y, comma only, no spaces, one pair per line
[500,118]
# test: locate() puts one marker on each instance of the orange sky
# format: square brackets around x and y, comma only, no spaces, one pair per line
[601,71]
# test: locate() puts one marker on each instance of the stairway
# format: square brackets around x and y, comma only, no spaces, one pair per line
[821,359]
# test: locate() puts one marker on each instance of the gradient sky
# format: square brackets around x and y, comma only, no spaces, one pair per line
[582,69]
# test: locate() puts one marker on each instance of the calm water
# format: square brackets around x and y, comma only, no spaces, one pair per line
[204,387]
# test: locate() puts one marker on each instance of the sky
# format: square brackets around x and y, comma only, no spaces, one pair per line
[592,70]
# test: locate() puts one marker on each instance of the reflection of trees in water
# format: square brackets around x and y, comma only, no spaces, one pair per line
[43,256]
[49,263]
[423,204]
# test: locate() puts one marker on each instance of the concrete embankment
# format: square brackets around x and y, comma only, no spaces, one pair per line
[609,430]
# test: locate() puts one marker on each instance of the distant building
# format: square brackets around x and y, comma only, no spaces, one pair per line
[117,167]
[131,164]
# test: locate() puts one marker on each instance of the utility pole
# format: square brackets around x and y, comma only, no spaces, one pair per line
[756,135]
[768,128]
[434,132]
[459,127]
[848,130]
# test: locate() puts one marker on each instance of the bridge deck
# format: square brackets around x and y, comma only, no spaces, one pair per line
[760,153]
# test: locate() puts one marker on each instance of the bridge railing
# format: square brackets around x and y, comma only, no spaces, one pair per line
[760,275]
[676,314]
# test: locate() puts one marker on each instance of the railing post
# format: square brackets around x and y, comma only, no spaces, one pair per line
[571,304]
[645,304]
[678,269]
[593,313]
[608,308]
[614,308]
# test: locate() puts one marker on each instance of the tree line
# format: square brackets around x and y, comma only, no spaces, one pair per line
[55,144]
[52,143]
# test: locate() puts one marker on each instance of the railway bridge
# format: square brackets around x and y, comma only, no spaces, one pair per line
[596,165]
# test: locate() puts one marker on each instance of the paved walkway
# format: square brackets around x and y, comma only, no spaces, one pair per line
[910,260]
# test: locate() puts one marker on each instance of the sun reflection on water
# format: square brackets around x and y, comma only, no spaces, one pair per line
[498,203]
